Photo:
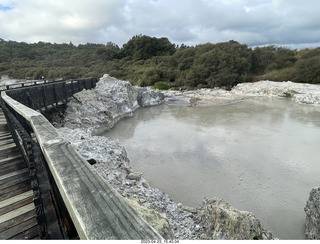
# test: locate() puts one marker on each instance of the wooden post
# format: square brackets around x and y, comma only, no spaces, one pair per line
[64,93]
[29,101]
[44,98]
[72,88]
[55,95]
[92,83]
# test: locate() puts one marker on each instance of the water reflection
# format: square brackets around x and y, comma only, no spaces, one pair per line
[259,155]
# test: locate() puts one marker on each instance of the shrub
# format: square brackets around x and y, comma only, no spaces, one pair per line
[162,85]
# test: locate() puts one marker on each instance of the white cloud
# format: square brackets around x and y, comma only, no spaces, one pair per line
[190,21]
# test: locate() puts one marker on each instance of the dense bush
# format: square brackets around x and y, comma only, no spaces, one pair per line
[162,85]
[146,61]
[307,70]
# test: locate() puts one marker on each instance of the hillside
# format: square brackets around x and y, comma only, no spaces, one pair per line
[146,61]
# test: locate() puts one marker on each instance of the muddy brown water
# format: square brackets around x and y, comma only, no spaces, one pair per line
[259,155]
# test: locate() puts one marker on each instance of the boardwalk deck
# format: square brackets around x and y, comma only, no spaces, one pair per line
[17,210]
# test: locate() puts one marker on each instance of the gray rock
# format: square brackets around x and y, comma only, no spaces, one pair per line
[134,176]
[197,227]
[145,185]
[158,221]
[221,221]
[104,106]
[312,209]
[189,209]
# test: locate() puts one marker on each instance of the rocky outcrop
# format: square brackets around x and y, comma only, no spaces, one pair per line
[101,108]
[312,209]
[157,220]
[298,92]
[218,220]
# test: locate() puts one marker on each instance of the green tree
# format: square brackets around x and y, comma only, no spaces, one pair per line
[307,70]
[222,64]
[144,47]
[262,58]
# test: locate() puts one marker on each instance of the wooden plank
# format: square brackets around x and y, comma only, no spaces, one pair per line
[13,178]
[6,142]
[11,145]
[8,146]
[14,232]
[11,162]
[16,212]
[20,179]
[17,220]
[14,173]
[9,151]
[12,168]
[16,205]
[5,137]
[10,158]
[29,234]
[4,129]
[13,191]
[10,138]
[16,198]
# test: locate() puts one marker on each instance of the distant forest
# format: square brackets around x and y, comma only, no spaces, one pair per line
[147,61]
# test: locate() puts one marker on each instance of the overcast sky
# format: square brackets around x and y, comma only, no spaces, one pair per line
[293,23]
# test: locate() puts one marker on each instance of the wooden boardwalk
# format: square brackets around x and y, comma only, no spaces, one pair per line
[17,210]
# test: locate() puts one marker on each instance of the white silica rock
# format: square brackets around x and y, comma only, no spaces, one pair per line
[110,101]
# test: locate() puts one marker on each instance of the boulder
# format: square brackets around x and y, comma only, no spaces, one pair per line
[109,102]
[218,220]
[157,220]
[312,209]
[134,176]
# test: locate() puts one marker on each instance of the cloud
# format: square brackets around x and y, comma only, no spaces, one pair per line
[253,22]
[59,20]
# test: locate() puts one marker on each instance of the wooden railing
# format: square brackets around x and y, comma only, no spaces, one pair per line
[45,97]
[96,209]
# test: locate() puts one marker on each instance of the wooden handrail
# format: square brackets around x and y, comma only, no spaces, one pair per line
[96,209]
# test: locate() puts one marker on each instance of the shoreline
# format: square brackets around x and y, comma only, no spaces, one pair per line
[82,127]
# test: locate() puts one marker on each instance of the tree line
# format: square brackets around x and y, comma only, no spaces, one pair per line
[147,61]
